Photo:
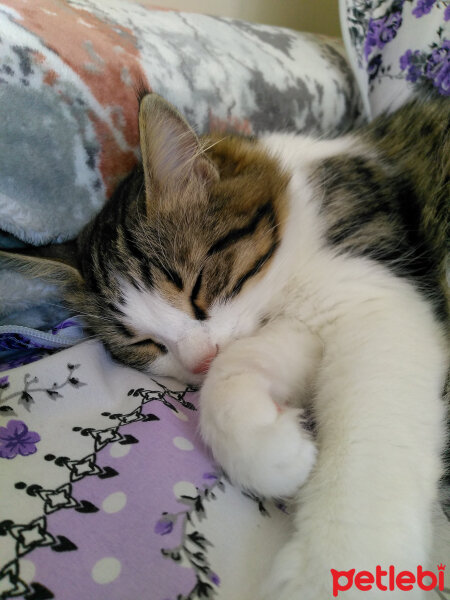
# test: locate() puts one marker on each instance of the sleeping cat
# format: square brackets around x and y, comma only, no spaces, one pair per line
[287,273]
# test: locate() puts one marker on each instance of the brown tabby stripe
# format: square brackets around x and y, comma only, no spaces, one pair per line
[99,271]
[170,274]
[255,269]
[149,341]
[113,308]
[122,329]
[199,313]
[219,278]
[142,260]
[236,234]
[373,207]
[175,278]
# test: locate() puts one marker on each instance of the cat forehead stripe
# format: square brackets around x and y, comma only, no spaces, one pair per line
[236,234]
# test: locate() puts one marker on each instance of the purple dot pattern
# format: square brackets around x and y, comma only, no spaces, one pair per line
[127,513]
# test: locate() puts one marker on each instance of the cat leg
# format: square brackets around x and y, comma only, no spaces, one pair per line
[380,431]
[244,419]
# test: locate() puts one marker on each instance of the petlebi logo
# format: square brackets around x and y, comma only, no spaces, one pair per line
[388,579]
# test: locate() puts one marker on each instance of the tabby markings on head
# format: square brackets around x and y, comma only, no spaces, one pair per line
[188,230]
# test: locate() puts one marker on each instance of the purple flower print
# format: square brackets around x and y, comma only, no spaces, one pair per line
[24,359]
[434,67]
[423,8]
[438,68]
[381,31]
[16,439]
[164,526]
[4,383]
[447,13]
[413,63]
[214,578]
[405,59]
[17,341]
[389,28]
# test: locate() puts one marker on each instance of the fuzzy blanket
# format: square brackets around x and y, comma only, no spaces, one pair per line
[68,76]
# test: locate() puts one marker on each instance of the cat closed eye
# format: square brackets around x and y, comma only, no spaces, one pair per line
[150,342]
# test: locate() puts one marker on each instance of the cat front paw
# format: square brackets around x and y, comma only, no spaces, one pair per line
[261,448]
[283,455]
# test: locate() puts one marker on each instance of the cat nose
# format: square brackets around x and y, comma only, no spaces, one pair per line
[203,365]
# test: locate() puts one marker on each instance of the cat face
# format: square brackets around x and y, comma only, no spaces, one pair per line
[175,266]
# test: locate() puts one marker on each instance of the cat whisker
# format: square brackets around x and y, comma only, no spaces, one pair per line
[205,148]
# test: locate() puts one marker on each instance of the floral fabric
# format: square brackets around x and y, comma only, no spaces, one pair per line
[397,48]
[22,345]
[107,492]
[16,439]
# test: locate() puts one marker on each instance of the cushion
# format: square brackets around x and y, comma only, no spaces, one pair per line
[397,49]
[69,75]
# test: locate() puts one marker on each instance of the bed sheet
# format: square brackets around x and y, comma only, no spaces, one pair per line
[108,493]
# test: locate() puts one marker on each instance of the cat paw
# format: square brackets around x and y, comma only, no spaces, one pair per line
[282,456]
[269,453]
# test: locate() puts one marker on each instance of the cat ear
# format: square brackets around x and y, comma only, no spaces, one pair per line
[56,263]
[171,152]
